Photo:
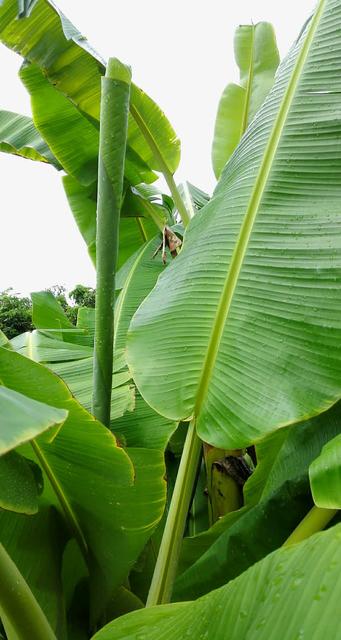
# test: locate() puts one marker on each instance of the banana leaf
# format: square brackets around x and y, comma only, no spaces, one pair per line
[325,475]
[251,306]
[135,227]
[72,66]
[19,136]
[23,418]
[277,492]
[20,484]
[257,57]
[289,594]
[114,505]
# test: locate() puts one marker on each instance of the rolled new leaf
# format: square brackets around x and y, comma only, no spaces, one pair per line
[257,57]
[112,149]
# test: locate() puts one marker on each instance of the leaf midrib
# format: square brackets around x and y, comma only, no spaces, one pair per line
[240,249]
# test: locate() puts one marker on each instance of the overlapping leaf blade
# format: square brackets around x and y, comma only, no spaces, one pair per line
[75,69]
[135,229]
[252,303]
[142,427]
[46,347]
[22,419]
[277,492]
[287,454]
[116,503]
[289,595]
[19,136]
[19,484]
[73,138]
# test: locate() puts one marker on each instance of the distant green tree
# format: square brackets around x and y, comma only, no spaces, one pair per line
[83,296]
[15,314]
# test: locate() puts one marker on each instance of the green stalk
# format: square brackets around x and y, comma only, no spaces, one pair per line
[315,520]
[112,149]
[167,174]
[18,605]
[166,565]
[167,561]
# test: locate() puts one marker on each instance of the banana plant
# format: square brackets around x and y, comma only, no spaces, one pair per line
[255,260]
[222,336]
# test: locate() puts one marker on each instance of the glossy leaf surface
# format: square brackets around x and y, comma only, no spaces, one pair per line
[19,136]
[22,419]
[325,476]
[256,286]
[19,484]
[289,595]
[75,69]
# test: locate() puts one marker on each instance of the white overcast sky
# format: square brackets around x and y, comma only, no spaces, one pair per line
[181,53]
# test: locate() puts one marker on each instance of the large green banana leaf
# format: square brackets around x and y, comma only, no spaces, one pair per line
[78,375]
[243,330]
[49,316]
[294,593]
[47,313]
[132,420]
[64,81]
[112,505]
[325,475]
[19,136]
[73,138]
[257,57]
[46,347]
[75,69]
[142,277]
[73,362]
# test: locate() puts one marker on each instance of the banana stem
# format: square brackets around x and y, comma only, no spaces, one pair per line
[166,565]
[112,149]
[18,606]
